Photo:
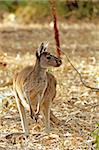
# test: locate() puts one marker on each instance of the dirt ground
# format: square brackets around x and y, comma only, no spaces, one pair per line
[76,106]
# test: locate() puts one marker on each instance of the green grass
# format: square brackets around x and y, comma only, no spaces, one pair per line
[95,134]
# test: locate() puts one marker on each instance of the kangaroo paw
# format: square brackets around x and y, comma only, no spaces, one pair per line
[54,119]
[34,116]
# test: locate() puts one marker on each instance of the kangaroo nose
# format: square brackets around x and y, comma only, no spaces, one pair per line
[59,62]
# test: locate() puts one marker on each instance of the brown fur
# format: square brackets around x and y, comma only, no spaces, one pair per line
[35,88]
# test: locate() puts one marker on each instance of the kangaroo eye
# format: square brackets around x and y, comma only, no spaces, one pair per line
[48,57]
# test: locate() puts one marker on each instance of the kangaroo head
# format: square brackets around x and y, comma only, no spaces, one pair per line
[45,58]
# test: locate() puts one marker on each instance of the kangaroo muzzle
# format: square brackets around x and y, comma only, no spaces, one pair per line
[59,62]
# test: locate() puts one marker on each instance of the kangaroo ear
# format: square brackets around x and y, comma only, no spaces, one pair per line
[45,47]
[39,50]
[42,48]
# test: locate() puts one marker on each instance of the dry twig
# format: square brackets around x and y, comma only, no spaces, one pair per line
[81,79]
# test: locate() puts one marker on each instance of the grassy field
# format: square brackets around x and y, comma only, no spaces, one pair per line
[23,26]
[76,106]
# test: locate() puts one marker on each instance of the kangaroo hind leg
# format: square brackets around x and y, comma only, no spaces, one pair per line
[22,114]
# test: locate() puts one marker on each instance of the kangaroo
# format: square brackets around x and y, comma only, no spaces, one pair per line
[35,88]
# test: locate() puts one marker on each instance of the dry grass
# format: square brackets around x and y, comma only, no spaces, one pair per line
[75,105]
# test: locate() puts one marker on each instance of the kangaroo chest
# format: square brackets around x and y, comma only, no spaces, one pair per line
[36,84]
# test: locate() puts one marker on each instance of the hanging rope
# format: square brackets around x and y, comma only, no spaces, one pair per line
[59,51]
[56,31]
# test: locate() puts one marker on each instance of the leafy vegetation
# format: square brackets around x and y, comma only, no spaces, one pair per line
[95,134]
[40,9]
